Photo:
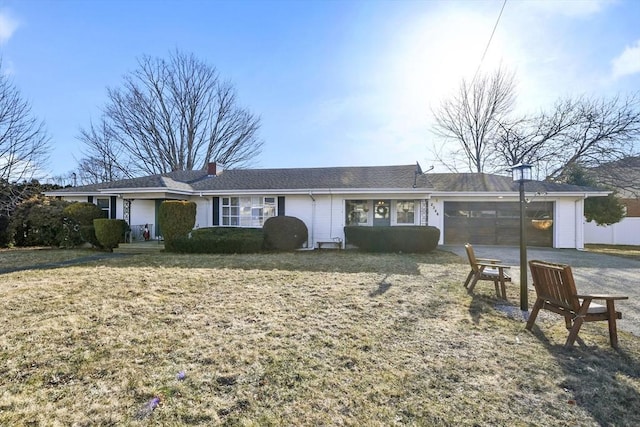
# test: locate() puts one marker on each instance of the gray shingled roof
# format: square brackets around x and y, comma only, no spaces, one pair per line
[481,182]
[366,177]
[315,178]
[177,181]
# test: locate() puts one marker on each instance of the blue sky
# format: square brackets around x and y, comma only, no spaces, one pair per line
[336,82]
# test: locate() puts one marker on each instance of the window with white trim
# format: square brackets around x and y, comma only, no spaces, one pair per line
[405,212]
[247,211]
[357,212]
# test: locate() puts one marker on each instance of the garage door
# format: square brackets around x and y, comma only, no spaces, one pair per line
[497,223]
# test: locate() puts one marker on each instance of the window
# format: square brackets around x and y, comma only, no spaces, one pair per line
[105,206]
[247,211]
[405,210]
[357,212]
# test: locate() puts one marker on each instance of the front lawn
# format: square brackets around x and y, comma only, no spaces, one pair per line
[311,338]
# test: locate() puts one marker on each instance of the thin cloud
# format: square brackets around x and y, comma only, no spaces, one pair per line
[628,62]
[8,26]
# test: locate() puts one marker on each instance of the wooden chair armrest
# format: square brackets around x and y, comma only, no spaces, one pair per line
[486,264]
[602,296]
[490,260]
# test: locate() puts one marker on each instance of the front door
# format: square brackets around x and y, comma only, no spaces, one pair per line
[382,213]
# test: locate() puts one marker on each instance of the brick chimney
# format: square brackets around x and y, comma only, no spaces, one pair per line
[211,169]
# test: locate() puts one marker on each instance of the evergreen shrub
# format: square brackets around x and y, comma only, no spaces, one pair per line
[284,233]
[38,221]
[411,239]
[78,224]
[176,219]
[220,240]
[109,232]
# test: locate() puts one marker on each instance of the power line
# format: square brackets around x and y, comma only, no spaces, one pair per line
[486,49]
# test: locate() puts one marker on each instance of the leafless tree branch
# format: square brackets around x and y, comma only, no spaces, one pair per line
[177,114]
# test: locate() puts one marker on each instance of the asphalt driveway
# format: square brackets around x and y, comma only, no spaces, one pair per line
[594,273]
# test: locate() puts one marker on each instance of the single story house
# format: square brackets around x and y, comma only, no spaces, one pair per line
[471,207]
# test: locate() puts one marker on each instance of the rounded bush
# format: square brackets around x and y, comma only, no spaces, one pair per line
[284,233]
[108,232]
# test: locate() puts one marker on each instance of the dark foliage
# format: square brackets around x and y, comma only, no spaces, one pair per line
[11,195]
[109,232]
[78,224]
[284,233]
[176,219]
[220,240]
[412,239]
[38,222]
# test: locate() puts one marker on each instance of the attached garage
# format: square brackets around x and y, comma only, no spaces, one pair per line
[497,223]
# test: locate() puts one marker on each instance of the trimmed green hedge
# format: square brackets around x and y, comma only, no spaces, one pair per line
[176,219]
[220,240]
[419,239]
[284,233]
[109,232]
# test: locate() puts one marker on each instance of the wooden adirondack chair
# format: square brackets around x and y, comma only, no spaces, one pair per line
[486,269]
[556,292]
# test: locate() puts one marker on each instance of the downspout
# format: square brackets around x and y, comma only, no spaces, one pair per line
[313,219]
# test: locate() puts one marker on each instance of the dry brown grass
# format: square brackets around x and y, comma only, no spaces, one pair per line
[19,258]
[330,338]
[625,251]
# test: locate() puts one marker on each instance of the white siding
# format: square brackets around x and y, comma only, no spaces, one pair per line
[436,216]
[626,232]
[142,212]
[567,224]
[324,214]
[204,211]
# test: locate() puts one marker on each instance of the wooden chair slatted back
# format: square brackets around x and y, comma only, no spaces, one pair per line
[554,282]
[472,257]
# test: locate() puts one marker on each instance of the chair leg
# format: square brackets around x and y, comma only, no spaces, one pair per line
[476,277]
[469,276]
[613,331]
[534,313]
[497,286]
[573,333]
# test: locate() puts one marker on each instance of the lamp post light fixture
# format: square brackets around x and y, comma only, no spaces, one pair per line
[522,173]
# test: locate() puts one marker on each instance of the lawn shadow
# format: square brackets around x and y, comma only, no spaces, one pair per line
[480,305]
[383,287]
[65,263]
[599,379]
[325,261]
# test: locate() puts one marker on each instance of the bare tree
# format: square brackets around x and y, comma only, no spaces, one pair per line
[174,114]
[583,132]
[103,159]
[24,144]
[472,117]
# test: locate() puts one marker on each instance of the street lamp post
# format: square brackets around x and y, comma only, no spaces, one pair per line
[522,173]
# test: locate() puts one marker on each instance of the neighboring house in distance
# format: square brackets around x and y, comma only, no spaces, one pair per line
[476,208]
[624,177]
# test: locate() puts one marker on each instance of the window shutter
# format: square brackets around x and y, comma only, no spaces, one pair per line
[216,211]
[281,206]
[112,215]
